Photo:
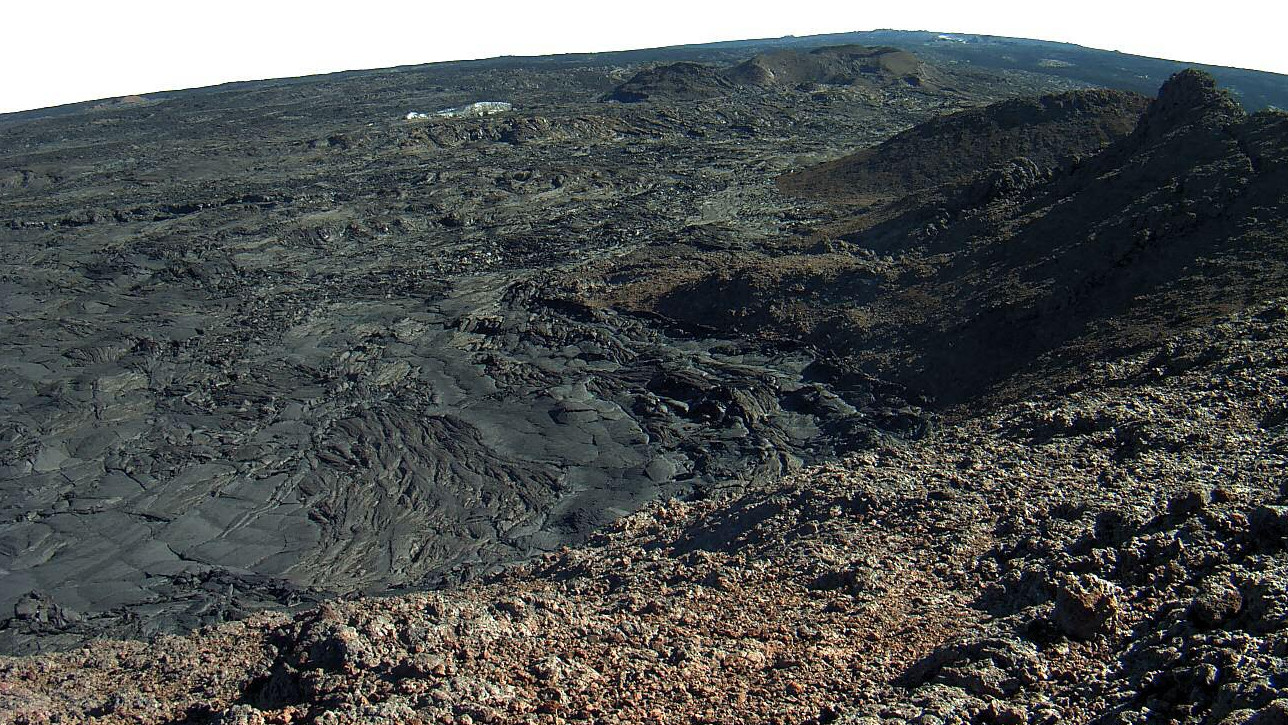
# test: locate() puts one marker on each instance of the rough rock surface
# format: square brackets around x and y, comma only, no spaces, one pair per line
[1042,563]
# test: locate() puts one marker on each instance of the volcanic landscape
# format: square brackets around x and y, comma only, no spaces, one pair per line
[879,378]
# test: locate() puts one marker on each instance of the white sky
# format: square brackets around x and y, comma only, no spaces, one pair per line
[61,51]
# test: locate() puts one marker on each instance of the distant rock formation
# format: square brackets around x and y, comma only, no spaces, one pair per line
[839,65]
[674,81]
[846,65]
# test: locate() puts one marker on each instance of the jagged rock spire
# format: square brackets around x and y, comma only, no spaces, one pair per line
[1190,97]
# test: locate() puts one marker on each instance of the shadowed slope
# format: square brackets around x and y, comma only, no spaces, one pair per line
[1019,266]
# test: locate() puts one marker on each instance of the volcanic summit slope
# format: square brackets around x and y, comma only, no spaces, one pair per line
[270,343]
[276,342]
[727,403]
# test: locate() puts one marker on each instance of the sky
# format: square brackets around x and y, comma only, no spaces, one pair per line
[63,51]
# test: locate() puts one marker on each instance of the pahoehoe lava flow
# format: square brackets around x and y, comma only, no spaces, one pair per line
[883,377]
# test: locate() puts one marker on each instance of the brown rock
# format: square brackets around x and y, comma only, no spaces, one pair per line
[241,715]
[1216,603]
[1004,714]
[1276,713]
[1086,607]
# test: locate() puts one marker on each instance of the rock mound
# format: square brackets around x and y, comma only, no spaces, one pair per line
[675,81]
[1188,98]
[837,65]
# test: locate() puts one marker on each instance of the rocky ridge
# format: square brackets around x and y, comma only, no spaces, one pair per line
[1170,224]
